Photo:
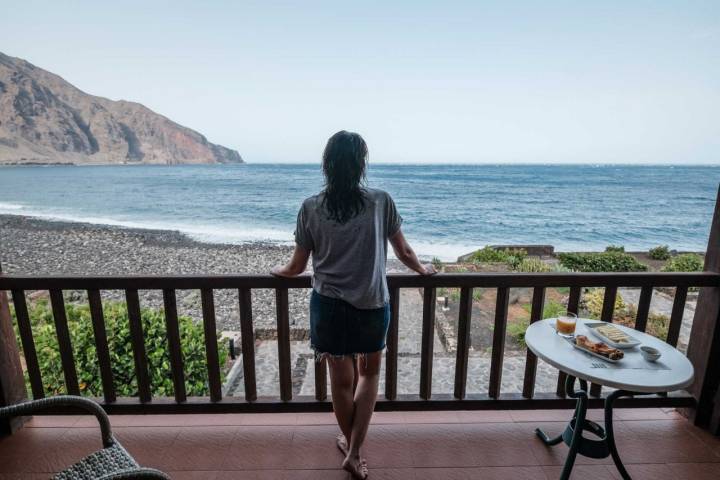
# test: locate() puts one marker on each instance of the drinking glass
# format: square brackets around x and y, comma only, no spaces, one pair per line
[565,324]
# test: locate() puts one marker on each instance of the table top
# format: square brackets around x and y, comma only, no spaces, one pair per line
[673,371]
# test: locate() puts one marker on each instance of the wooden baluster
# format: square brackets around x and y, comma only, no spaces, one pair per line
[608,304]
[498,348]
[211,347]
[138,344]
[573,307]
[247,337]
[608,309]
[676,317]
[101,345]
[283,334]
[321,380]
[64,343]
[174,345]
[391,353]
[643,308]
[28,344]
[463,345]
[538,305]
[428,338]
[704,343]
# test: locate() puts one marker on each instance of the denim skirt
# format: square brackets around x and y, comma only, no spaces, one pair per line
[338,328]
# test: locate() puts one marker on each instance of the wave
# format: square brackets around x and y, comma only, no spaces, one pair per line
[10,207]
[208,233]
[424,245]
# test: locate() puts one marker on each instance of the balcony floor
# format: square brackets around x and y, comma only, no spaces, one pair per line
[655,444]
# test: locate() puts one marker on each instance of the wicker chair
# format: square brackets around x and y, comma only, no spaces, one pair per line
[113,462]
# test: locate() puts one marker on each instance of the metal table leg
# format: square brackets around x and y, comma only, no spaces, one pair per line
[604,446]
[573,434]
[610,436]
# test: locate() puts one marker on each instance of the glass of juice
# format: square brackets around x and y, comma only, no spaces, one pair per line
[565,324]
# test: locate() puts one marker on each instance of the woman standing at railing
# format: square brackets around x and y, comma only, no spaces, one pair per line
[346,228]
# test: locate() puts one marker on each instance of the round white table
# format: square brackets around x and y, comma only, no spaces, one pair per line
[632,375]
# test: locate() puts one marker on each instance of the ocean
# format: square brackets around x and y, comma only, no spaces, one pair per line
[448,210]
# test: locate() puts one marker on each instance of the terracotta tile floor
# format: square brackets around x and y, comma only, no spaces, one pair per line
[656,444]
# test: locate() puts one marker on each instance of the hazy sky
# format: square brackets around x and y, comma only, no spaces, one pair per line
[590,81]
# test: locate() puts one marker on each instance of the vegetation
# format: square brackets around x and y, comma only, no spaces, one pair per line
[601,262]
[511,257]
[533,265]
[661,252]
[592,301]
[437,263]
[615,248]
[121,353]
[687,262]
[516,330]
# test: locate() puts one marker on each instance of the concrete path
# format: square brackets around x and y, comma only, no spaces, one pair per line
[303,372]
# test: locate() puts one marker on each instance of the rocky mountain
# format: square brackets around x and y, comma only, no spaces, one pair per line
[44,119]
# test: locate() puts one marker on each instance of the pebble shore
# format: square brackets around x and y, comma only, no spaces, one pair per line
[39,247]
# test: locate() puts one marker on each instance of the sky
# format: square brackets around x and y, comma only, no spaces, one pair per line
[423,82]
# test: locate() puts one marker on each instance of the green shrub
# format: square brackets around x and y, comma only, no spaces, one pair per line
[615,248]
[121,353]
[661,252]
[593,302]
[658,325]
[550,310]
[601,262]
[512,257]
[437,263]
[687,262]
[516,330]
[477,294]
[533,265]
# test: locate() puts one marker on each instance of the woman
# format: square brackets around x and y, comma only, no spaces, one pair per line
[346,228]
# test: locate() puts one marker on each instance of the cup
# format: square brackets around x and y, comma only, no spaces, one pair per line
[650,354]
[565,324]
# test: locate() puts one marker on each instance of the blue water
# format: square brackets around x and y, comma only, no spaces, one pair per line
[448,210]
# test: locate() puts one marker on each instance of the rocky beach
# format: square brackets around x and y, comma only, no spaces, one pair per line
[38,247]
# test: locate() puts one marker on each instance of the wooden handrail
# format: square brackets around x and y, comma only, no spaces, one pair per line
[474,280]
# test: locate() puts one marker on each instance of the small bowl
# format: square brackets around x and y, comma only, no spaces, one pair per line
[650,354]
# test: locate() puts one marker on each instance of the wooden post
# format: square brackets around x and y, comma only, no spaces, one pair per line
[12,383]
[704,345]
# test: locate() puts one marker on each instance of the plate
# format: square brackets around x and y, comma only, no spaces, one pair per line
[571,341]
[592,327]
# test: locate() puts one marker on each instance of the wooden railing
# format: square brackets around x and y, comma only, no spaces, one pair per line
[424,400]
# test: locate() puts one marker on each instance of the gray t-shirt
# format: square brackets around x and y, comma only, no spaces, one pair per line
[349,259]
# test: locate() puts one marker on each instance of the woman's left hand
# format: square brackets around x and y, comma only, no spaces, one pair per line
[429,269]
[280,272]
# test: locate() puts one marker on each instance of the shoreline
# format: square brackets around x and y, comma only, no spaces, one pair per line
[157,236]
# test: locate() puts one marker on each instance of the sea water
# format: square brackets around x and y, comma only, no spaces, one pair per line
[448,210]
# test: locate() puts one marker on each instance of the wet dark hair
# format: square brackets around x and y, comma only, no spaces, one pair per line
[343,164]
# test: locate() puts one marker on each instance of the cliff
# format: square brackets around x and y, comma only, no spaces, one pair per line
[45,119]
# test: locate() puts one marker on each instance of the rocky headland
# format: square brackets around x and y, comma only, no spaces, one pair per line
[46,120]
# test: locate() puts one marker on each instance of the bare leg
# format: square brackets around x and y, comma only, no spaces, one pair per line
[365,397]
[341,384]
